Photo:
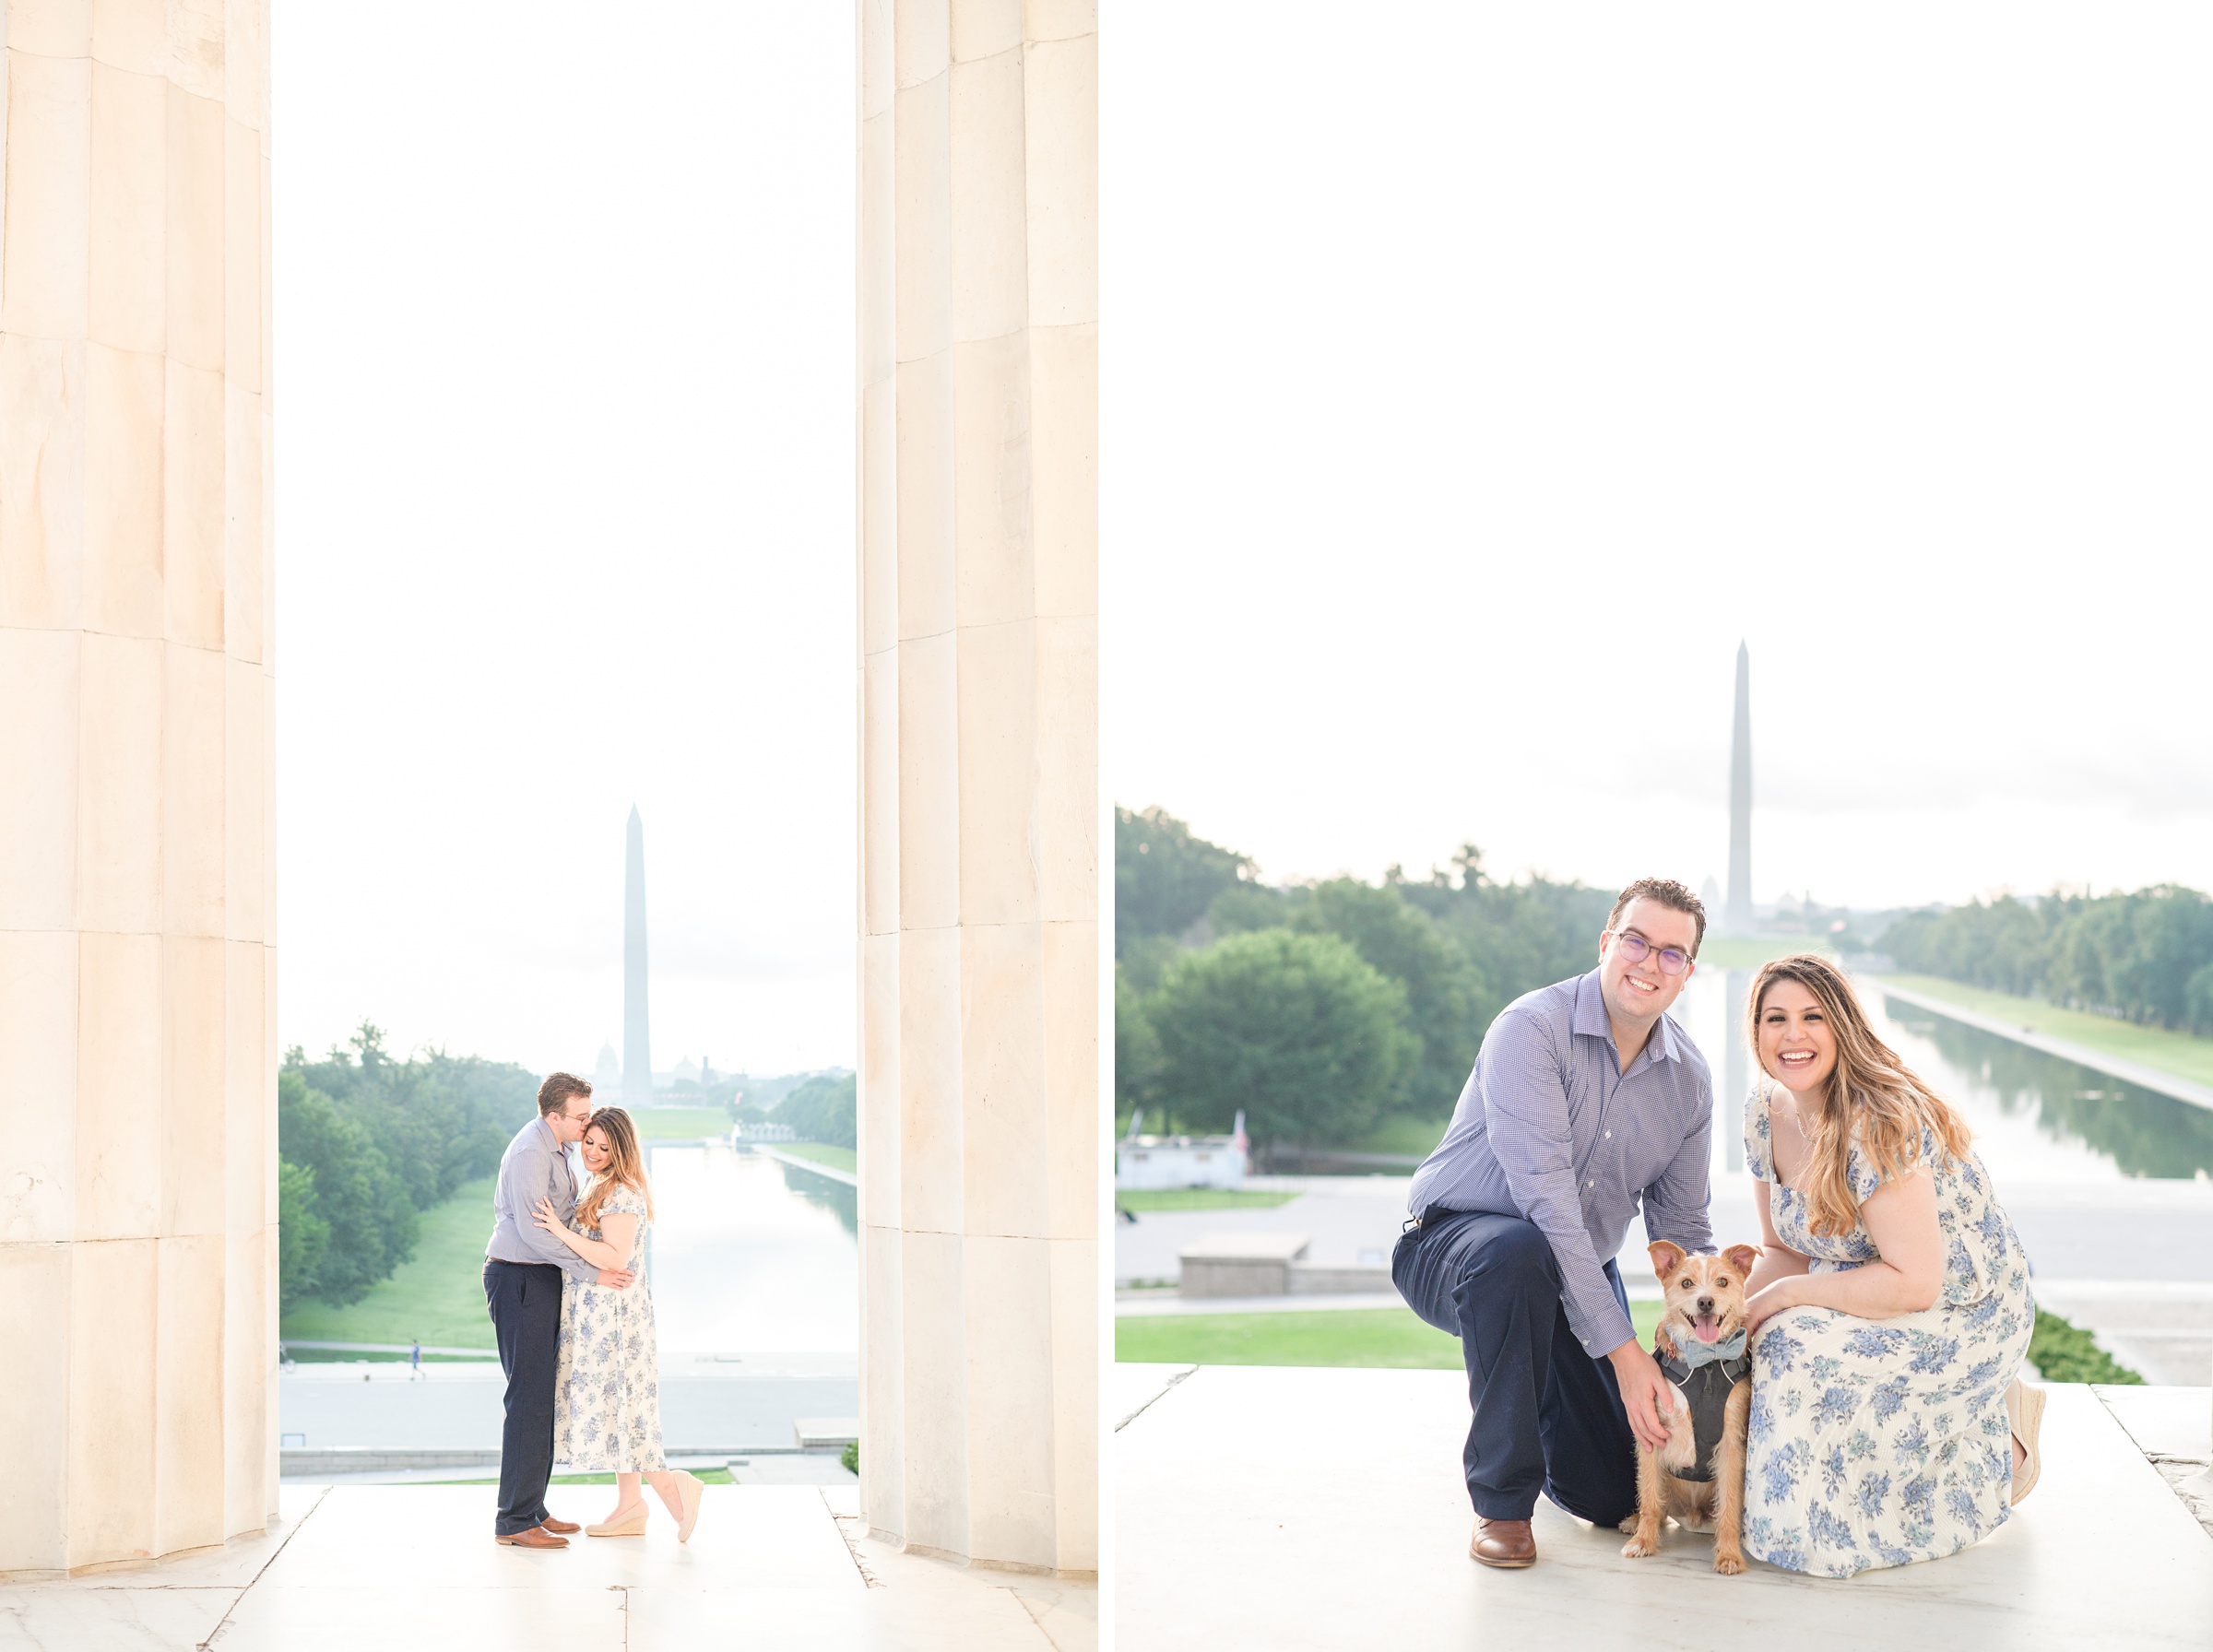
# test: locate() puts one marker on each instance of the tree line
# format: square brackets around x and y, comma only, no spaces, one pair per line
[1320,1009]
[365,1143]
[2144,957]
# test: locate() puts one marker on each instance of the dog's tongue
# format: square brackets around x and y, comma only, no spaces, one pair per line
[1706,1327]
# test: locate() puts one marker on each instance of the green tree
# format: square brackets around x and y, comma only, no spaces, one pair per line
[1136,1047]
[1448,1004]
[355,1192]
[1164,878]
[302,1236]
[824,1108]
[1296,1029]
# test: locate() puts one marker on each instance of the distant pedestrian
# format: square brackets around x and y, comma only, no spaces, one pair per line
[415,1362]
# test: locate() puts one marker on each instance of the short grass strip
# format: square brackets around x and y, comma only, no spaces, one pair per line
[822,1152]
[1198,1199]
[1374,1338]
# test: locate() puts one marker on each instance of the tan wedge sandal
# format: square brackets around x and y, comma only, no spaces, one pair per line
[2025,1411]
[630,1526]
[693,1491]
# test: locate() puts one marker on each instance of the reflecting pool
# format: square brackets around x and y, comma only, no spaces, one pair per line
[2035,1117]
[750,1255]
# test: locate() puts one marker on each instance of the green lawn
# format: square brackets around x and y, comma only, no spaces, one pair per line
[1198,1199]
[1749,952]
[680,1124]
[822,1152]
[2178,1053]
[437,1295]
[1366,1337]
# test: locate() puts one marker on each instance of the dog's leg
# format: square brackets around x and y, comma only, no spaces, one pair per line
[1729,1478]
[1650,1507]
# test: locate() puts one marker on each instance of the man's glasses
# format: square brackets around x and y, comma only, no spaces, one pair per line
[1673,960]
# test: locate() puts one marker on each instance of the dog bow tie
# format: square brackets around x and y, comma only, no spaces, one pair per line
[1695,1354]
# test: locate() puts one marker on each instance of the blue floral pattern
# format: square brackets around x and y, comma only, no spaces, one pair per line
[1881,1442]
[606,1387]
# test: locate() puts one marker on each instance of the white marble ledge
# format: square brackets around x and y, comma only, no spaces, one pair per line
[1329,1509]
[368,1568]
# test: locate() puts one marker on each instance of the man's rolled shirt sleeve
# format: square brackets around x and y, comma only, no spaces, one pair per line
[1525,1109]
[528,1178]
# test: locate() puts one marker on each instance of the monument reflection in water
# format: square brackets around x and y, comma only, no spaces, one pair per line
[2035,1117]
[751,1256]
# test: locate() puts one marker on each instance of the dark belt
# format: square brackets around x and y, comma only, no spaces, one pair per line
[1414,1225]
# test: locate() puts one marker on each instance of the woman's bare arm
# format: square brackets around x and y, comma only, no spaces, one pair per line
[1901,1217]
[620,1235]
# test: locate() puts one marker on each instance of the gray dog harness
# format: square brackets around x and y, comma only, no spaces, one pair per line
[1706,1385]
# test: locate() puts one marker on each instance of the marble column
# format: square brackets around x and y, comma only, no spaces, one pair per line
[979,1157]
[138,1189]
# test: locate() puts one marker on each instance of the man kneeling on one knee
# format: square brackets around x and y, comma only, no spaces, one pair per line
[1585,1101]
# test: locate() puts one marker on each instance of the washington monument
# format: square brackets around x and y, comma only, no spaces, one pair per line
[637,1042]
[1736,916]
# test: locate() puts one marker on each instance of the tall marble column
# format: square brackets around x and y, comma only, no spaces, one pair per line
[978,778]
[137,1190]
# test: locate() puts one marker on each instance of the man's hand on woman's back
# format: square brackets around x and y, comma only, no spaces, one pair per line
[618,1279]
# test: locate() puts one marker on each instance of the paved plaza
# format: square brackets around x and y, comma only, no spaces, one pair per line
[368,1568]
[1329,1510]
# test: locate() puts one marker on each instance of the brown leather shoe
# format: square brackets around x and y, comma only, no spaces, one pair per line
[1503,1543]
[559,1528]
[538,1537]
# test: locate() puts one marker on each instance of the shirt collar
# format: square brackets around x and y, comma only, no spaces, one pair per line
[1589,1016]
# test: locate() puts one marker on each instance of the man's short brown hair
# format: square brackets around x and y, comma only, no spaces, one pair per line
[1669,893]
[554,1093]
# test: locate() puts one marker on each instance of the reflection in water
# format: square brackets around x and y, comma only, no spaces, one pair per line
[748,1258]
[2034,1115]
[831,1194]
[2147,1134]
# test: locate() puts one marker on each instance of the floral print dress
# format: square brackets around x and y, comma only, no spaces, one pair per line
[1881,1441]
[606,1387]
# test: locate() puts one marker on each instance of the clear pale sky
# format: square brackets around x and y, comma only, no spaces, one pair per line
[1472,379]
[565,461]
[1477,377]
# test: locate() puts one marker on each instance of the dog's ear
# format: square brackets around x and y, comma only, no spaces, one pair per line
[1741,1256]
[1667,1256]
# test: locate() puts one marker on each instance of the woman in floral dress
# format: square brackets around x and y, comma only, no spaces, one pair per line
[1891,1309]
[607,1394]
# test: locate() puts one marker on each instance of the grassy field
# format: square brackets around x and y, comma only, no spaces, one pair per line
[1364,1336]
[438,1295]
[2178,1053]
[1749,952]
[1198,1199]
[822,1152]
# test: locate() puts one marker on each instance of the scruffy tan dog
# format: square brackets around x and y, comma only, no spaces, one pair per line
[1698,1476]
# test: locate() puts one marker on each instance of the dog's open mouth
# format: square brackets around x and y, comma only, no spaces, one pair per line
[1707,1327]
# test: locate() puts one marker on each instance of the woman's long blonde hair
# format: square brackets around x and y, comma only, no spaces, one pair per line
[1872,1097]
[626,1165]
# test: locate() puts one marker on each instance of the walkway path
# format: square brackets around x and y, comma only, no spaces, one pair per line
[1326,1510]
[368,1568]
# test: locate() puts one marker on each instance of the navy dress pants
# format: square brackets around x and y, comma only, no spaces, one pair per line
[524,1300]
[1548,1416]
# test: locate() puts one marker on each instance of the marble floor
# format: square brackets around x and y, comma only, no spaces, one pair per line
[363,1567]
[1291,1509]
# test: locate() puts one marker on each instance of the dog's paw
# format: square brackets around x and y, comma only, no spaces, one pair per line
[1628,1527]
[1638,1547]
[1728,1565]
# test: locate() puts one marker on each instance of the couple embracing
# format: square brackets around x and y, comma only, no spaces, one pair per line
[573,1317]
[1887,1310]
